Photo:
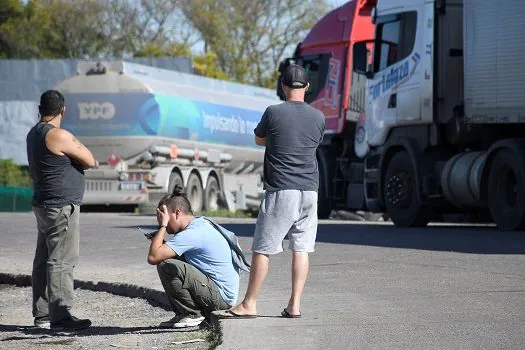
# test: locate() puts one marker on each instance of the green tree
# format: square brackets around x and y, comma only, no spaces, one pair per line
[10,9]
[147,26]
[13,175]
[243,41]
[71,29]
[52,29]
[155,50]
[206,65]
[250,38]
[18,38]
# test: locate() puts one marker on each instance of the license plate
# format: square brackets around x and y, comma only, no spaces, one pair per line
[130,186]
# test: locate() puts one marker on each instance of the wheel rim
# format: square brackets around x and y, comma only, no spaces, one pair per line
[195,198]
[213,199]
[397,190]
[194,192]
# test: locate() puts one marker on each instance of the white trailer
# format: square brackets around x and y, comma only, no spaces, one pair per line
[152,129]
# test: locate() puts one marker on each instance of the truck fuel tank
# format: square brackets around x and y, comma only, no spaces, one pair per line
[461,179]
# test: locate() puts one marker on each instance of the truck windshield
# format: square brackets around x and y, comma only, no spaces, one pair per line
[316,67]
[396,40]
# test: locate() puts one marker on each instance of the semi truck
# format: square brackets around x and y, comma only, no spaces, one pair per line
[152,129]
[444,124]
[335,54]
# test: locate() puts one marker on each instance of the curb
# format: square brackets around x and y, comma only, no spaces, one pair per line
[152,296]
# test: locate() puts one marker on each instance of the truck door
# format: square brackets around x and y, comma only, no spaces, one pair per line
[394,92]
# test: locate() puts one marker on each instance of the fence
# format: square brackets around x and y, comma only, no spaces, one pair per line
[15,198]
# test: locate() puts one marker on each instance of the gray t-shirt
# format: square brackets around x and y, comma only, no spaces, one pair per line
[293,131]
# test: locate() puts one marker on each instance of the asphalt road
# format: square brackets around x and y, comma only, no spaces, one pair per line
[370,287]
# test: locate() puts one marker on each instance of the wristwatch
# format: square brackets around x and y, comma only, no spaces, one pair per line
[160,226]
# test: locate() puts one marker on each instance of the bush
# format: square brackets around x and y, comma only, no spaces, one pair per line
[13,175]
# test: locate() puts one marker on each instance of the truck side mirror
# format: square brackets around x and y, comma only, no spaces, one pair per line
[360,55]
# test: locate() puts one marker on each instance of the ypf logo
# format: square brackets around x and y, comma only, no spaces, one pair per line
[95,111]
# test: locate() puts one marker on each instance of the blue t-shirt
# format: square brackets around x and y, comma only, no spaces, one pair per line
[206,249]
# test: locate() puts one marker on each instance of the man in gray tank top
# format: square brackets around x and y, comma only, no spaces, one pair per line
[56,162]
[291,133]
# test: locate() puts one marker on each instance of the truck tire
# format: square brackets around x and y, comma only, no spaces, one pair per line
[195,192]
[506,190]
[175,179]
[323,201]
[211,194]
[400,195]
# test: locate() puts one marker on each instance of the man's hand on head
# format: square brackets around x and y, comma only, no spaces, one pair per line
[158,250]
[163,216]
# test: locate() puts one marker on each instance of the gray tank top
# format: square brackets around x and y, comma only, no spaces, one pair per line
[57,180]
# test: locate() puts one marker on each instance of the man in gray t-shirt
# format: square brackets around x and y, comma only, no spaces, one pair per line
[291,133]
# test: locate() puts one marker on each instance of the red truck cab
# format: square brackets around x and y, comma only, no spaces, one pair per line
[335,54]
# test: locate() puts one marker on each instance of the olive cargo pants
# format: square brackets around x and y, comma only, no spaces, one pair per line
[189,291]
[56,255]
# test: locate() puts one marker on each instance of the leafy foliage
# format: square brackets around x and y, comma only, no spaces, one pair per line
[13,175]
[242,41]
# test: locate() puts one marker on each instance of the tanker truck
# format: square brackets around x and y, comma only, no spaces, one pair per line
[152,129]
[334,54]
[445,111]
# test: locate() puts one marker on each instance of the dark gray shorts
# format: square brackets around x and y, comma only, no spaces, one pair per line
[291,212]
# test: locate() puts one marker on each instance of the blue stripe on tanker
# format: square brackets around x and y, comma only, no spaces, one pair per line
[146,114]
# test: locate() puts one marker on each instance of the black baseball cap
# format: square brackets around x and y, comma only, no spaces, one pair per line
[294,77]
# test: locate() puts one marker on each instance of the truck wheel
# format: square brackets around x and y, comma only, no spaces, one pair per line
[211,194]
[323,201]
[506,190]
[195,192]
[399,193]
[175,179]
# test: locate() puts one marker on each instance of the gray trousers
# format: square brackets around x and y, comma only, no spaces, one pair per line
[56,255]
[189,291]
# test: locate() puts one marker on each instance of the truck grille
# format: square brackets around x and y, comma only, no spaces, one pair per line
[99,186]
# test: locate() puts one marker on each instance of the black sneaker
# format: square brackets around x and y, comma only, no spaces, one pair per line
[70,324]
[42,322]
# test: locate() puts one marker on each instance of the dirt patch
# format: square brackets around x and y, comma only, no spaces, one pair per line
[118,323]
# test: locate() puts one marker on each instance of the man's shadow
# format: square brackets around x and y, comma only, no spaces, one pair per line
[32,332]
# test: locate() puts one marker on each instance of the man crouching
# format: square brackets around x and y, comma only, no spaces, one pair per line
[198,266]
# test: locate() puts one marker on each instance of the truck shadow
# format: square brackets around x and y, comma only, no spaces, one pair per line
[453,238]
[477,240]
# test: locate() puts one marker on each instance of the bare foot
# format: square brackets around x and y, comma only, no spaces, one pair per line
[286,314]
[243,309]
[293,310]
